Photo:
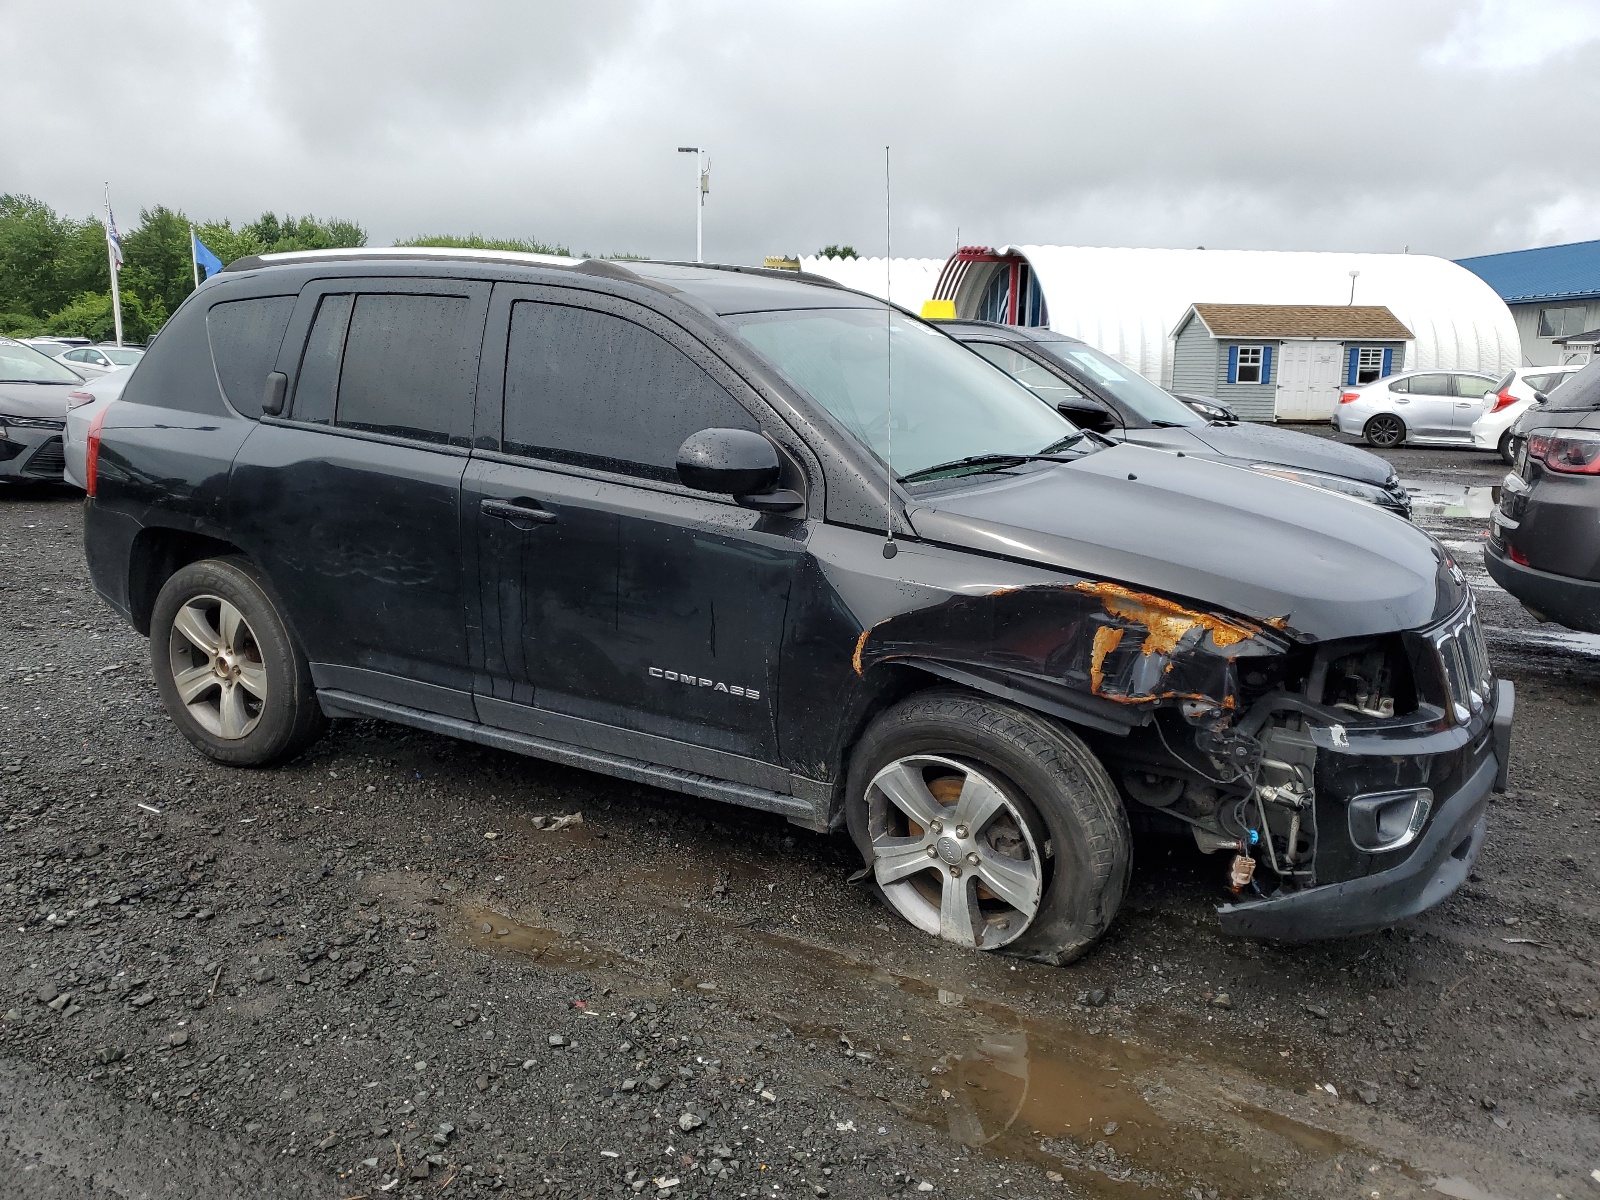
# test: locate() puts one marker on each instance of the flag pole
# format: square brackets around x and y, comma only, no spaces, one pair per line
[111,254]
[194,258]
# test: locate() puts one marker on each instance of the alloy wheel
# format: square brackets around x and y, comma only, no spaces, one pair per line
[217,667]
[1385,430]
[953,853]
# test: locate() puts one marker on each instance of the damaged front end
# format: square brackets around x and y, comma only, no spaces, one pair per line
[1343,782]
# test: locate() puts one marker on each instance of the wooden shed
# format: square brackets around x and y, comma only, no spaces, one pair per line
[1284,362]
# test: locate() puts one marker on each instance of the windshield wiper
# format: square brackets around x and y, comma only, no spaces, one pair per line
[978,461]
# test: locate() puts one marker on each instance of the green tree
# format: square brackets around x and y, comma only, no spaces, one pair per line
[303,233]
[46,259]
[838,252]
[474,242]
[156,262]
[89,315]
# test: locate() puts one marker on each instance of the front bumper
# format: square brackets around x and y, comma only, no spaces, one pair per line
[31,454]
[1438,865]
[1574,603]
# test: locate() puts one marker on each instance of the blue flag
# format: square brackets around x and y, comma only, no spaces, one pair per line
[209,262]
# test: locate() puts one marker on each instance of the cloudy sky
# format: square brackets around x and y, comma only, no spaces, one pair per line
[1451,126]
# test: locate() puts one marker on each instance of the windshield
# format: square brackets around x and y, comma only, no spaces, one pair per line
[1126,385]
[24,364]
[948,404]
[121,355]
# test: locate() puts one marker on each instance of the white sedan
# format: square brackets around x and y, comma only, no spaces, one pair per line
[1425,408]
[1513,397]
[82,405]
[94,361]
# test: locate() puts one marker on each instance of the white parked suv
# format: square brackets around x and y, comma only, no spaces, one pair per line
[1513,397]
[1427,408]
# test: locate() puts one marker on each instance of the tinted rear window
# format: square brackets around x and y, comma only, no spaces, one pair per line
[598,390]
[245,336]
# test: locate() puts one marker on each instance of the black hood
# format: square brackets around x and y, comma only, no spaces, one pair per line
[1287,448]
[1211,534]
[35,399]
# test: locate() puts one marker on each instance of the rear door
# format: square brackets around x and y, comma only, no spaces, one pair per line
[621,610]
[351,500]
[1429,405]
[1470,403]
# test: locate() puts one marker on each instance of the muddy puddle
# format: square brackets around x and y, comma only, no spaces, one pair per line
[1459,501]
[497,933]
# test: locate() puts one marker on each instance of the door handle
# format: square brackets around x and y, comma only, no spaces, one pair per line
[523,516]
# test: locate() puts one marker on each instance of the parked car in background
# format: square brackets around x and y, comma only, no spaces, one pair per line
[1544,539]
[33,409]
[1208,407]
[94,361]
[55,347]
[1514,395]
[1096,392]
[632,517]
[83,406]
[1423,408]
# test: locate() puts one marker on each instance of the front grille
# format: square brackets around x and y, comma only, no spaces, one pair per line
[48,461]
[1464,658]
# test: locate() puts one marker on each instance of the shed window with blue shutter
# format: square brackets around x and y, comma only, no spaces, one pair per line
[1245,364]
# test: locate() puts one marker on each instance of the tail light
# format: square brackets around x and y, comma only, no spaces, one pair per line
[1516,556]
[1349,397]
[79,399]
[1503,399]
[1567,451]
[91,461]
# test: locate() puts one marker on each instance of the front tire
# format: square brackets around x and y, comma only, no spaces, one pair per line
[1507,454]
[989,826]
[228,669]
[1384,430]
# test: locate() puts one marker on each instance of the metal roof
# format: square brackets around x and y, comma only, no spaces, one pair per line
[1338,322]
[1567,272]
[903,281]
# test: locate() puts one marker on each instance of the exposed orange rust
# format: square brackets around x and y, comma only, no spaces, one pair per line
[1106,639]
[1165,622]
[861,644]
[1278,622]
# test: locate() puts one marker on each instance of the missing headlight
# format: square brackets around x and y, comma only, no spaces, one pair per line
[1372,680]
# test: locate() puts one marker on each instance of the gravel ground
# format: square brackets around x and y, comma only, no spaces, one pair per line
[381,970]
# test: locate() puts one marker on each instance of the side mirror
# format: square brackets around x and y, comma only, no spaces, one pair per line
[1540,397]
[272,397]
[729,462]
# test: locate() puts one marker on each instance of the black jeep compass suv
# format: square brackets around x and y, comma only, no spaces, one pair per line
[641,519]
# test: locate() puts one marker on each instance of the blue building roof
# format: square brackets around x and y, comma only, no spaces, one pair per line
[1568,272]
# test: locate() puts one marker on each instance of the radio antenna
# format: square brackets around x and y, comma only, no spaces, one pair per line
[889,548]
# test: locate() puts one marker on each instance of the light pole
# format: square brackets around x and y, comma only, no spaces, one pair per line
[702,186]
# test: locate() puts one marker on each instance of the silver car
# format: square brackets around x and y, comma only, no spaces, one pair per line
[33,409]
[94,361]
[83,405]
[1425,408]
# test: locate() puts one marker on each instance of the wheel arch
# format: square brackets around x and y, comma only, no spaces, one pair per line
[158,553]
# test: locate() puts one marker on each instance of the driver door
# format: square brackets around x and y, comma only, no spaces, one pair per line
[619,609]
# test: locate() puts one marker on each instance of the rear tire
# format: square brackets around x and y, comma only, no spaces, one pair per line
[1507,455]
[1384,430]
[1044,865]
[229,671]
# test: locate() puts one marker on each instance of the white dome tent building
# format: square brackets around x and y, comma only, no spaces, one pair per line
[908,282]
[1129,302]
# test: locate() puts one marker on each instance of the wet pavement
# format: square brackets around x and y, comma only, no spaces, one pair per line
[263,970]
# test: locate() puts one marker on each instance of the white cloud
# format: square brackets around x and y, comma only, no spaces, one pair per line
[1361,125]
